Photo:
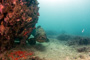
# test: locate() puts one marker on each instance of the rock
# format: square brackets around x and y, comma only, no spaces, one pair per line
[17,20]
[64,37]
[83,49]
[78,40]
[82,56]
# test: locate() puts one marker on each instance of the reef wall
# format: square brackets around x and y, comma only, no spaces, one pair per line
[17,20]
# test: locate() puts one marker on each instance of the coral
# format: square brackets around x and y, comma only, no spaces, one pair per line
[16,55]
[17,20]
[19,55]
[1,8]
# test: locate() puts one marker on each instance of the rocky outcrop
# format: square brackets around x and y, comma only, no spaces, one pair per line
[17,20]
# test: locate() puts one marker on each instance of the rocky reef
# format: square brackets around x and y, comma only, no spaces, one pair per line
[74,40]
[78,40]
[17,20]
[64,37]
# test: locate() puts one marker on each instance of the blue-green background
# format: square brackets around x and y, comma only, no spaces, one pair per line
[71,16]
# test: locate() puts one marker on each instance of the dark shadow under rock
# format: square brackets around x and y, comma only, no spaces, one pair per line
[36,58]
[32,41]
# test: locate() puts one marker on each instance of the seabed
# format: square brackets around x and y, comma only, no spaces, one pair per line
[53,50]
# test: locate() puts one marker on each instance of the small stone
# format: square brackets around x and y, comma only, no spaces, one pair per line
[75,57]
[82,57]
[33,58]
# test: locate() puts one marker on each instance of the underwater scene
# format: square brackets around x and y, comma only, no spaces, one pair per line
[44,29]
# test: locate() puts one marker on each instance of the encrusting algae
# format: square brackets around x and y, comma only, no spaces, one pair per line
[17,20]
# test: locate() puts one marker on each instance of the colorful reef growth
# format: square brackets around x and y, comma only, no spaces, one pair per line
[17,20]
[17,55]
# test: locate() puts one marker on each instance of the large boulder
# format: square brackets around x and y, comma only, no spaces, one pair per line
[17,20]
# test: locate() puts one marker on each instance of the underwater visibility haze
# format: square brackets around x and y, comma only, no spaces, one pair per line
[71,16]
[44,29]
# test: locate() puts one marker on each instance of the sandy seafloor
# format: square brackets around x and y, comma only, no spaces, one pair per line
[56,50]
[59,50]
